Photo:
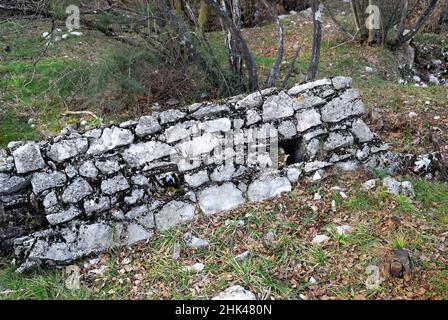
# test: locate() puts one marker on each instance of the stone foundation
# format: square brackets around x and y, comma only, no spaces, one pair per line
[82,193]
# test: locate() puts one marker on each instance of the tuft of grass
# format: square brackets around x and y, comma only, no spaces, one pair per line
[13,128]
[38,285]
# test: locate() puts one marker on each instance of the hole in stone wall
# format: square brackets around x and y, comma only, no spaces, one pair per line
[290,152]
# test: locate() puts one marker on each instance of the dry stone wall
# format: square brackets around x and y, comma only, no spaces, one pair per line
[82,193]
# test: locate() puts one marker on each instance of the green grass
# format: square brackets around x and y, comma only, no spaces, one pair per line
[13,128]
[37,285]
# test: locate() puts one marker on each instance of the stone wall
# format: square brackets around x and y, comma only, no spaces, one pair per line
[82,193]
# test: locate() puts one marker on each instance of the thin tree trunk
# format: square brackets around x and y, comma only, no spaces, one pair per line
[275,70]
[317,41]
[186,41]
[250,64]
[405,38]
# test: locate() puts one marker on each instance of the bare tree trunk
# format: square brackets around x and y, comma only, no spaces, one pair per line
[317,41]
[403,38]
[186,41]
[404,14]
[275,70]
[355,11]
[252,71]
[235,56]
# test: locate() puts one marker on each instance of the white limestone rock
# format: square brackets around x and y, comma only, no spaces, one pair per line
[215,199]
[268,187]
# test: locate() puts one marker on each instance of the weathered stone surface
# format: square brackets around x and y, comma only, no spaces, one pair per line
[254,100]
[277,107]
[252,117]
[181,131]
[210,110]
[143,153]
[50,200]
[110,139]
[194,242]
[171,116]
[67,149]
[136,233]
[43,181]
[218,125]
[97,237]
[174,213]
[392,185]
[135,196]
[108,166]
[77,191]
[343,107]
[299,89]
[63,216]
[115,185]
[337,140]
[28,158]
[211,200]
[223,173]
[97,205]
[361,131]
[267,188]
[341,82]
[310,102]
[88,170]
[197,179]
[287,129]
[147,125]
[235,293]
[12,184]
[316,165]
[307,119]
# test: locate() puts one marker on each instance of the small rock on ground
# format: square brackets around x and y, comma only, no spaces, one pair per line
[235,293]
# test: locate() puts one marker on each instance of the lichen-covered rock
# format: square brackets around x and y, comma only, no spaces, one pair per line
[223,173]
[171,116]
[218,125]
[338,140]
[267,188]
[210,110]
[67,149]
[108,166]
[28,158]
[110,139]
[361,131]
[76,191]
[63,216]
[307,119]
[114,185]
[252,117]
[211,199]
[42,181]
[97,237]
[143,153]
[287,129]
[235,293]
[136,233]
[97,205]
[147,125]
[174,213]
[12,184]
[277,107]
[88,170]
[197,179]
[343,107]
